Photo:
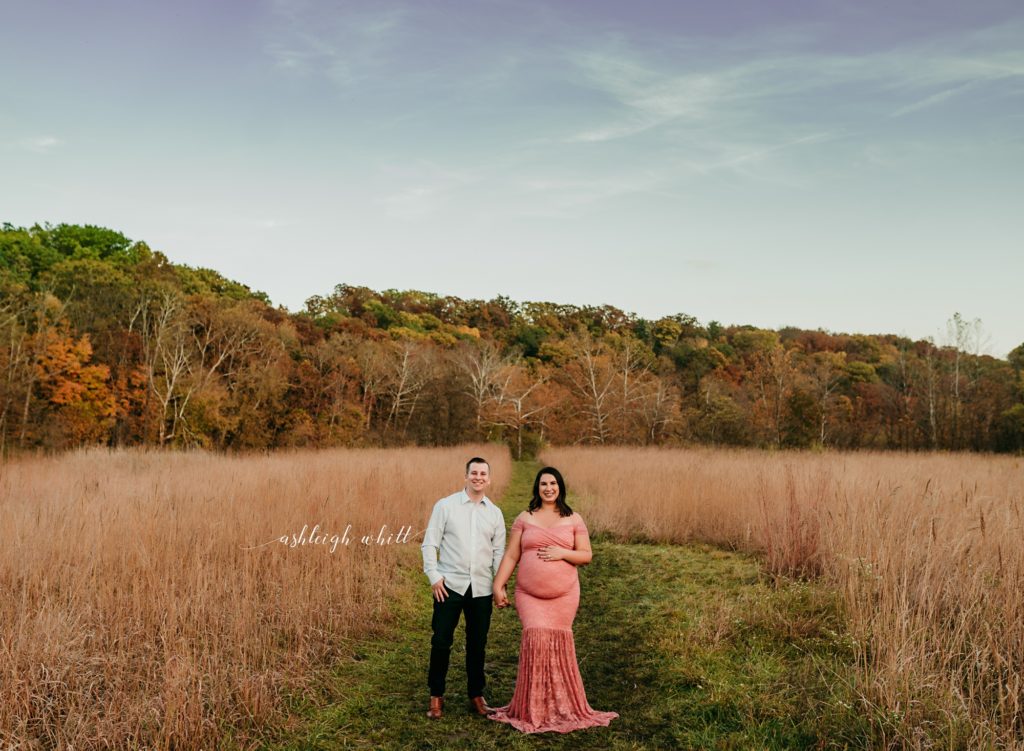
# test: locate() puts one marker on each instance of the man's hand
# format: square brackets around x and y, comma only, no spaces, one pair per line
[439,591]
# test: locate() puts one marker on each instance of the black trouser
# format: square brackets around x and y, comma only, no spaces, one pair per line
[446,618]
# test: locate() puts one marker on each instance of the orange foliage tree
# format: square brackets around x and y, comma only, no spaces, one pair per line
[78,396]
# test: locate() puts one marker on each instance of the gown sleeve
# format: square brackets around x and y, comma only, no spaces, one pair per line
[579,527]
[518,525]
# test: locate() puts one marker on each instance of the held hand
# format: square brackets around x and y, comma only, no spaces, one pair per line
[552,553]
[500,597]
[439,591]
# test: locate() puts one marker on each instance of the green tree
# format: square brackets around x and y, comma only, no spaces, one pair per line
[24,256]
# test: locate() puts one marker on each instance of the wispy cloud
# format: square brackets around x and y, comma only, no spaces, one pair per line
[576,192]
[932,99]
[40,144]
[750,155]
[566,197]
[701,265]
[345,48]
[764,113]
[421,189]
[603,116]
[650,98]
[646,96]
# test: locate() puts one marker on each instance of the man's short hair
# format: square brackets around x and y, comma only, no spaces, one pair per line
[477,460]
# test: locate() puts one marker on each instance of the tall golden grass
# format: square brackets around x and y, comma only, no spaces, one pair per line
[146,601]
[926,549]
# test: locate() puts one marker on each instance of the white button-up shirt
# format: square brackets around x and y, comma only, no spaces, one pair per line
[464,543]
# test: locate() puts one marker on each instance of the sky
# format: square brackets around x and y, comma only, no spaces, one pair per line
[850,165]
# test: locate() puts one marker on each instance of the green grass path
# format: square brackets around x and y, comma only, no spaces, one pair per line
[688,644]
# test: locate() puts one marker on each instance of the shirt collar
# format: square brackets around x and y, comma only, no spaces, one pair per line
[467,499]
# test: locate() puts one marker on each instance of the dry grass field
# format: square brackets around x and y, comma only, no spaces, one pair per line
[925,549]
[148,602]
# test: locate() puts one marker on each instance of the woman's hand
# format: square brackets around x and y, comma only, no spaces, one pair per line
[552,553]
[500,597]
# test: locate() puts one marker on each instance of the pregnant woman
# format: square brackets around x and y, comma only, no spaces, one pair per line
[548,541]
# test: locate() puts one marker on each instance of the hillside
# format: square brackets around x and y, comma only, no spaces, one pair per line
[108,342]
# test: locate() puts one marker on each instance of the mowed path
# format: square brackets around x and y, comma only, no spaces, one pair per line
[687,643]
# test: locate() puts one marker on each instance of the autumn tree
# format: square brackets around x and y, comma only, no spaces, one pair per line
[826,374]
[522,399]
[483,367]
[80,404]
[394,374]
[593,377]
[26,321]
[332,402]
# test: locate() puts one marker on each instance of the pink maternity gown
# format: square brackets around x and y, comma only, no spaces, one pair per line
[549,693]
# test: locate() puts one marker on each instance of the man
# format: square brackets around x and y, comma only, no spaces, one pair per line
[462,547]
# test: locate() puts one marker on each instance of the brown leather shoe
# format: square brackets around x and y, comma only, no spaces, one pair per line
[477,705]
[436,705]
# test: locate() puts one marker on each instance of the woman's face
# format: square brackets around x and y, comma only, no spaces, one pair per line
[548,488]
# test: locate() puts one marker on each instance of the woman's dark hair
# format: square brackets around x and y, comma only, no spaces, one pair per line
[560,504]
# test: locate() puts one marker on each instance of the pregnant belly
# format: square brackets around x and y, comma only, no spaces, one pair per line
[545,579]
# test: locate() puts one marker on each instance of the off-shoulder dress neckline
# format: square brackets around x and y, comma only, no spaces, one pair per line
[526,520]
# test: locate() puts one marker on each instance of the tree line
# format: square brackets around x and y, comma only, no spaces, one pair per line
[104,341]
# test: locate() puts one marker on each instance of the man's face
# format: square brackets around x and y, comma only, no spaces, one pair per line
[479,477]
